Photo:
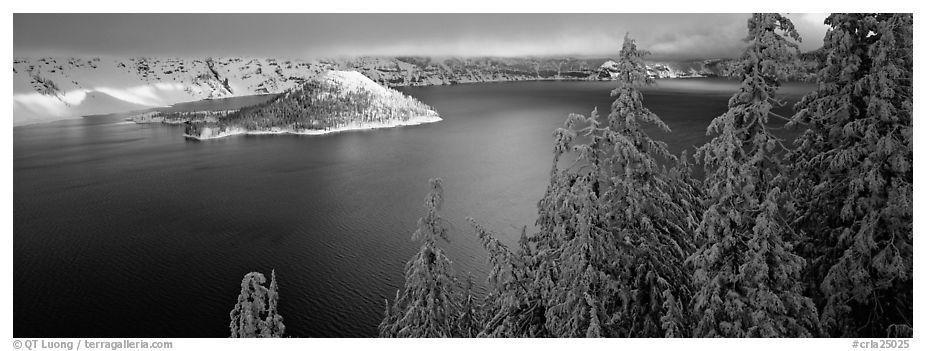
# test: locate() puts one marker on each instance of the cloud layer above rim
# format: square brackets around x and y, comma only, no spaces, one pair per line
[667,36]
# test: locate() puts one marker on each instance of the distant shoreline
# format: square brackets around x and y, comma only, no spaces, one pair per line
[17,124]
[167,108]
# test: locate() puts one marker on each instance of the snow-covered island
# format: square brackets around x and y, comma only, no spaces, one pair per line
[333,101]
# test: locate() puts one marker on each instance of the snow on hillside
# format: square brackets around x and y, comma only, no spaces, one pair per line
[353,81]
[664,70]
[57,88]
[65,87]
[333,101]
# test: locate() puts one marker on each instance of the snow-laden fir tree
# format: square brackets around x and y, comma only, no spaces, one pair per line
[256,315]
[608,259]
[522,283]
[649,210]
[513,306]
[747,276]
[853,176]
[578,268]
[469,321]
[619,224]
[426,306]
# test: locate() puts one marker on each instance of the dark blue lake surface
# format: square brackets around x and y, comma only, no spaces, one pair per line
[125,230]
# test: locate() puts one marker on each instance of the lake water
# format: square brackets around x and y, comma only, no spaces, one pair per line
[125,230]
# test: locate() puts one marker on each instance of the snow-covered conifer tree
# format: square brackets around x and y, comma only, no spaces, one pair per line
[645,207]
[615,226]
[256,315]
[425,307]
[747,277]
[853,176]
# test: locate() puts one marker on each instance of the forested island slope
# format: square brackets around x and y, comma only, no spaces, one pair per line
[331,102]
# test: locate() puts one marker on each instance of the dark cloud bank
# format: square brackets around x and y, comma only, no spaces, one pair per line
[667,36]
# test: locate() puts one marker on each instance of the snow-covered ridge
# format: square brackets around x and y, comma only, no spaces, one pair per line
[665,70]
[51,88]
[353,81]
[56,88]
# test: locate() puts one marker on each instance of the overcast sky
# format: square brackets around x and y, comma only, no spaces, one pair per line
[667,36]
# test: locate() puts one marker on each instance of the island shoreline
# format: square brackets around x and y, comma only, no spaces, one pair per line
[414,121]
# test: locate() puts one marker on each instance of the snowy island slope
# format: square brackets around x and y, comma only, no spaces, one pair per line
[330,102]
